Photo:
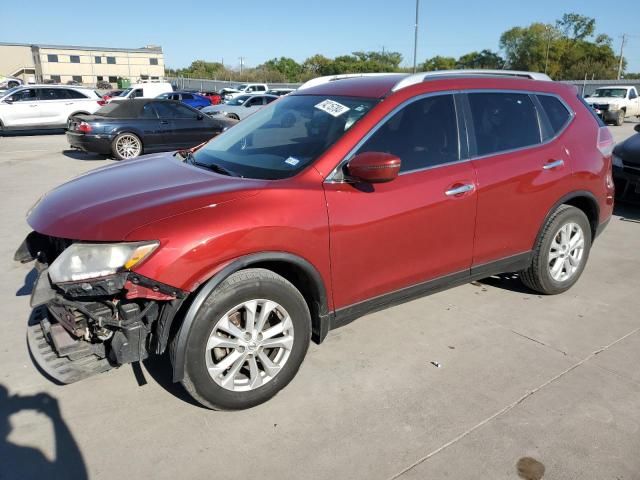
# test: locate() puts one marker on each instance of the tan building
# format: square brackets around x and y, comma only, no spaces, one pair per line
[85,65]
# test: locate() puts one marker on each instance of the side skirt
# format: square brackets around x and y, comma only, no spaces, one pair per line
[348,314]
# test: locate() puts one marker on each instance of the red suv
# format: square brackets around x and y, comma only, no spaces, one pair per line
[344,197]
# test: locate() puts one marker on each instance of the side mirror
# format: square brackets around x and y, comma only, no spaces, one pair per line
[637,127]
[8,100]
[200,116]
[374,167]
[587,96]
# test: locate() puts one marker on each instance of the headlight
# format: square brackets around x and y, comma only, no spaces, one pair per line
[617,161]
[615,106]
[82,261]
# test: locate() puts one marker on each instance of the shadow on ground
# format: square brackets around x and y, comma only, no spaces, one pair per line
[160,368]
[627,211]
[29,133]
[22,462]
[29,282]
[80,155]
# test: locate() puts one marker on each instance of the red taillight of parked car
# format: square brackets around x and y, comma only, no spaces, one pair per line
[605,141]
[102,103]
[84,127]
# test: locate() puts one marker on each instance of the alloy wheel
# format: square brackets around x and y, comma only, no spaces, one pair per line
[249,345]
[128,146]
[566,252]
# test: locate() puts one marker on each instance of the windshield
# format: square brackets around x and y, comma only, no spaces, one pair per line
[283,138]
[238,100]
[6,93]
[240,87]
[611,92]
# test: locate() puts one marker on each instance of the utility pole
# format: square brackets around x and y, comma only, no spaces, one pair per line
[624,38]
[415,37]
[546,62]
[241,64]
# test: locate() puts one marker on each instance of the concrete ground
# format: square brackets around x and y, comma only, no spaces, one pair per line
[521,375]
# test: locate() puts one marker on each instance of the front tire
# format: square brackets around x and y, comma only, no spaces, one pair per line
[620,118]
[247,341]
[126,146]
[561,252]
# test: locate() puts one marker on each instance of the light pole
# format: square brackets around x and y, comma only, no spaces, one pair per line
[624,38]
[546,61]
[415,37]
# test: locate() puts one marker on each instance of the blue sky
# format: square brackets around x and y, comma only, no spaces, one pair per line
[260,30]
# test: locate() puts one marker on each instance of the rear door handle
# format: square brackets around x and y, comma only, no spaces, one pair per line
[70,103]
[467,187]
[33,106]
[553,164]
[164,122]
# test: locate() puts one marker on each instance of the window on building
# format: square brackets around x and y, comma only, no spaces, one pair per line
[113,79]
[144,77]
[77,78]
[111,60]
[154,78]
[55,78]
[52,58]
[153,61]
[98,59]
[99,78]
[74,58]
[423,134]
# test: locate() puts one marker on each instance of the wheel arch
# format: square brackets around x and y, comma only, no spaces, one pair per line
[301,273]
[583,200]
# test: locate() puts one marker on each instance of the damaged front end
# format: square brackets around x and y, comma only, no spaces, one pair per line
[91,312]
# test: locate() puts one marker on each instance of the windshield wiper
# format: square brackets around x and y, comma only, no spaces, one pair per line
[190,159]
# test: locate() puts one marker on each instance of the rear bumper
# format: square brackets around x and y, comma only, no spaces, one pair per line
[90,143]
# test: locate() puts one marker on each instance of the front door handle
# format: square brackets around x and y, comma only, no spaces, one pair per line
[553,164]
[164,122]
[467,187]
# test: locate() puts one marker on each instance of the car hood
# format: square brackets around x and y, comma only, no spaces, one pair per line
[604,100]
[108,203]
[629,150]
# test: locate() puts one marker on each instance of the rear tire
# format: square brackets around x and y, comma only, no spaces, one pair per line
[561,252]
[126,146]
[247,341]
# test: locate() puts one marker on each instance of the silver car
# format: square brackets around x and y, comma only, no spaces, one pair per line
[240,107]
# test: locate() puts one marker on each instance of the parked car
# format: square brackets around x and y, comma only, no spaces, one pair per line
[188,98]
[614,104]
[245,88]
[45,106]
[626,167]
[214,97]
[129,129]
[110,94]
[240,107]
[279,92]
[144,90]
[335,201]
[9,82]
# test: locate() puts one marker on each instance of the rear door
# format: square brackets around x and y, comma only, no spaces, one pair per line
[389,236]
[522,170]
[634,102]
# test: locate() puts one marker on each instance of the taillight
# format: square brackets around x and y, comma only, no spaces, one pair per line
[84,127]
[605,141]
[102,103]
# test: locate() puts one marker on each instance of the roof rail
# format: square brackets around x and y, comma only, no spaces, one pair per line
[330,78]
[421,77]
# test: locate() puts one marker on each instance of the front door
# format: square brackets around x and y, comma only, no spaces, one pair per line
[418,227]
[22,109]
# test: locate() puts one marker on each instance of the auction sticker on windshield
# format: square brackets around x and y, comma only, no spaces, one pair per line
[331,107]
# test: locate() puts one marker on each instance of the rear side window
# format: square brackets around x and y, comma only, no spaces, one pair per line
[423,134]
[503,121]
[557,113]
[75,94]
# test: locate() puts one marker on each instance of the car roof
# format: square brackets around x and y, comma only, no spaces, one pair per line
[379,85]
[45,85]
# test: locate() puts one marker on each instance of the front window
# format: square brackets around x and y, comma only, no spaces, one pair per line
[236,102]
[125,92]
[280,140]
[611,92]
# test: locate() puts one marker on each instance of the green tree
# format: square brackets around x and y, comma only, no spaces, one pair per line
[484,59]
[287,67]
[438,63]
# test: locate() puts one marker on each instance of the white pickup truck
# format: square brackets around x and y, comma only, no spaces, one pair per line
[245,89]
[614,104]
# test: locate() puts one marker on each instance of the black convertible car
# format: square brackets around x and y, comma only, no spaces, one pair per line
[129,128]
[626,167]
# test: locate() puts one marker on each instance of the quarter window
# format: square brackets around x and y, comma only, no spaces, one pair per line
[423,134]
[74,94]
[557,113]
[503,121]
[74,59]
